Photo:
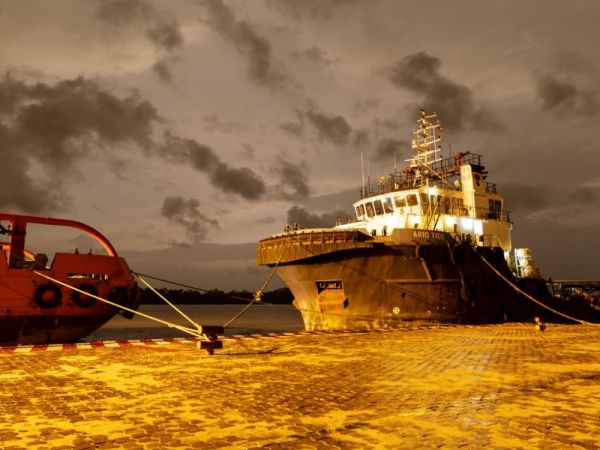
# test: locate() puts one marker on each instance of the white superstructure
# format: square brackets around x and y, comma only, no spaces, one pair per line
[434,193]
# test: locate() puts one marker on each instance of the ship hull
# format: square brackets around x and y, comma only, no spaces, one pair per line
[401,280]
[26,320]
[48,329]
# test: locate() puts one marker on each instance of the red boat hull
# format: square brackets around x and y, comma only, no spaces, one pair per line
[34,310]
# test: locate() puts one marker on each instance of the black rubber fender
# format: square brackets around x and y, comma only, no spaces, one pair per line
[83,300]
[47,296]
[120,295]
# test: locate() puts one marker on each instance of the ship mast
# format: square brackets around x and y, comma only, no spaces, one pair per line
[426,143]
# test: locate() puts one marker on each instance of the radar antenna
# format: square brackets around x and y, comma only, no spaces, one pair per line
[426,141]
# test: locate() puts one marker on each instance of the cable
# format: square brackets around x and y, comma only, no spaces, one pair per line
[258,295]
[518,289]
[236,297]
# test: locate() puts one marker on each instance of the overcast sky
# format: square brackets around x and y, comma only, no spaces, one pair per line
[187,130]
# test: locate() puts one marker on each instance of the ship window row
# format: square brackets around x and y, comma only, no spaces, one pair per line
[430,204]
[383,206]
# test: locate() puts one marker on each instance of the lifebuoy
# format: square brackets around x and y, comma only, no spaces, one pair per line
[48,296]
[120,295]
[83,300]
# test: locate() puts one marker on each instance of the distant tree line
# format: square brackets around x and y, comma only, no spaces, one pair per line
[213,297]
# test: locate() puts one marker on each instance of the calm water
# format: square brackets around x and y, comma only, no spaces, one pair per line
[258,319]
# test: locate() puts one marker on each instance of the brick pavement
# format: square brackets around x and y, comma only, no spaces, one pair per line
[506,386]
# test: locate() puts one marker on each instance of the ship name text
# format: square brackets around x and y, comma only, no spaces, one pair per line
[421,234]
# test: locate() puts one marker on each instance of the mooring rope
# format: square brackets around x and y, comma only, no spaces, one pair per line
[258,295]
[543,305]
[162,297]
[195,288]
[194,332]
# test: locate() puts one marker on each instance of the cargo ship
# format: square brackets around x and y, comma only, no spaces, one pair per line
[430,243]
[36,311]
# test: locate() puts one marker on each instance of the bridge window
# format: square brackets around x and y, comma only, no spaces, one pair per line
[400,202]
[411,200]
[387,205]
[495,209]
[370,211]
[424,199]
[357,212]
[378,207]
[362,209]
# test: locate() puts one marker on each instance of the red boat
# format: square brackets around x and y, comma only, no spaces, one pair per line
[36,311]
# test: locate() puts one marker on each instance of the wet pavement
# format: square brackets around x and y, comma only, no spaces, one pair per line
[507,386]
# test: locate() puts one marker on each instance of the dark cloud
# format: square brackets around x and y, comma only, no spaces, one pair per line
[161,29]
[420,73]
[187,213]
[166,35]
[334,129]
[53,127]
[294,181]
[387,149]
[299,215]
[315,55]
[240,181]
[162,70]
[564,97]
[255,48]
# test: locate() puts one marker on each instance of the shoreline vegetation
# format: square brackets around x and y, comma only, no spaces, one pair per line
[281,296]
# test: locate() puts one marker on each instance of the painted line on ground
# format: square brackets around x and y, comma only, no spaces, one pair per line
[152,342]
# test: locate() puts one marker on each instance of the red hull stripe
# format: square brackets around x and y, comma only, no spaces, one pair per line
[147,342]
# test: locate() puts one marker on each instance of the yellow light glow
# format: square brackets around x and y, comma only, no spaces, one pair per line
[450,221]
[466,224]
[414,220]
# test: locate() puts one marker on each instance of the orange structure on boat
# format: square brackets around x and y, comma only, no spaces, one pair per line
[35,311]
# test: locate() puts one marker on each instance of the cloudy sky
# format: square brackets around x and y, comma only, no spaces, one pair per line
[186,130]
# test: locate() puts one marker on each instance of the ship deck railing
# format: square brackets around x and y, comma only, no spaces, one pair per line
[408,178]
[565,289]
[459,211]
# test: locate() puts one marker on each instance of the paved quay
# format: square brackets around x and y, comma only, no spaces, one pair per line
[507,386]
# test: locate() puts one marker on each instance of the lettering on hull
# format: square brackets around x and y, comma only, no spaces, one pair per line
[331,296]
